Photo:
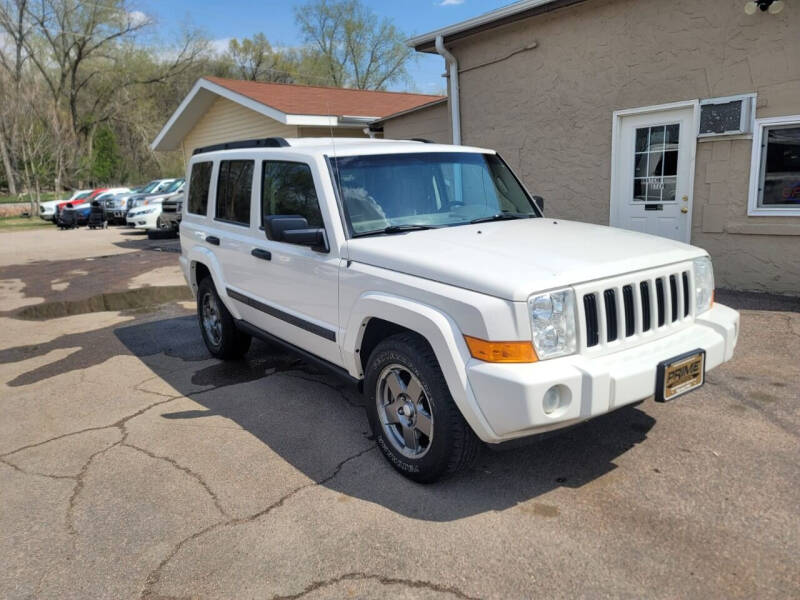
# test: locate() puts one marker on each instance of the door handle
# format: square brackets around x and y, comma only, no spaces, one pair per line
[212,239]
[684,210]
[261,253]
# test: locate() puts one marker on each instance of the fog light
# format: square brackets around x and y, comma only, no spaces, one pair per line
[551,400]
[555,399]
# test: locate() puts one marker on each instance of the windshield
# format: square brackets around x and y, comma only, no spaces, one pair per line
[151,186]
[81,196]
[428,189]
[173,186]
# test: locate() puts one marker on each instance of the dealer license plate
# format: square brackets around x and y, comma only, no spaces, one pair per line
[680,375]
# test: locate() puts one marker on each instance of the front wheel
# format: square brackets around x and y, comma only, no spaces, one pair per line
[223,339]
[415,422]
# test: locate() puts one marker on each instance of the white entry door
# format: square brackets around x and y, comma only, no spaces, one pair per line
[653,172]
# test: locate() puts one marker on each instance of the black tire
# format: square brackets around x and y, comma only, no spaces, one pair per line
[231,343]
[453,446]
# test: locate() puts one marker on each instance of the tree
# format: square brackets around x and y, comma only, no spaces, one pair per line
[106,160]
[90,59]
[255,60]
[351,46]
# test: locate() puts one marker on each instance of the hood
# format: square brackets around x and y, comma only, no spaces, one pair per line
[513,259]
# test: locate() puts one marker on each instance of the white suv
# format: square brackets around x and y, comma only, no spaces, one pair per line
[428,275]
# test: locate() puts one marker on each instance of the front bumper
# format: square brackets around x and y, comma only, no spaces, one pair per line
[510,396]
[144,221]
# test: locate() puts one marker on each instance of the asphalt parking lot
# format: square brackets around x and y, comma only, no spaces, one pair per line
[134,466]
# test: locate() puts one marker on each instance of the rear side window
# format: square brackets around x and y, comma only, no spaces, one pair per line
[198,188]
[288,189]
[234,184]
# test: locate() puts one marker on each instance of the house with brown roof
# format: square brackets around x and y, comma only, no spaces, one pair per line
[677,118]
[221,110]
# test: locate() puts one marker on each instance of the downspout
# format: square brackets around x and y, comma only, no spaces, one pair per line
[455,109]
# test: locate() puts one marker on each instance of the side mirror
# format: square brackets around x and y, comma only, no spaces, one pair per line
[294,229]
[314,238]
[539,202]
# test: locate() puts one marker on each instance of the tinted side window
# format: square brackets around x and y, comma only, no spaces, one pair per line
[288,189]
[234,185]
[198,187]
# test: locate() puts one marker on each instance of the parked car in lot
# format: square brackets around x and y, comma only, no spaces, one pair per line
[147,213]
[171,211]
[154,188]
[84,199]
[429,276]
[82,207]
[47,210]
[115,205]
[144,217]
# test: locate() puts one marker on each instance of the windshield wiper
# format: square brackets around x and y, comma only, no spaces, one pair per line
[409,227]
[501,217]
[397,229]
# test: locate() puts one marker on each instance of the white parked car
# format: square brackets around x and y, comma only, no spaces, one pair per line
[428,275]
[144,217]
[47,210]
[147,214]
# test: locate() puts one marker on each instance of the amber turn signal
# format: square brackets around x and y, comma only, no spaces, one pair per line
[501,352]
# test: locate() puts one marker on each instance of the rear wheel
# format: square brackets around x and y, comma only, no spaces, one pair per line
[223,339]
[416,424]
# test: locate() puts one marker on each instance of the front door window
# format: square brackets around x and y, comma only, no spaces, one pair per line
[656,163]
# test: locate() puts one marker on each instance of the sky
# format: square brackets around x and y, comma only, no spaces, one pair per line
[275,19]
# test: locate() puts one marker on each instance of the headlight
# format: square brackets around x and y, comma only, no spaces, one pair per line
[553,323]
[703,284]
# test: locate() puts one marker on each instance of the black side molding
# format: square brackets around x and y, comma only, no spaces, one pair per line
[323,332]
[270,142]
[307,356]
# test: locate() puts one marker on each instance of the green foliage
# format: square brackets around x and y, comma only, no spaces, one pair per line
[106,157]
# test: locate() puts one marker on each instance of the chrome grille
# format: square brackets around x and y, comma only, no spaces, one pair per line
[621,311]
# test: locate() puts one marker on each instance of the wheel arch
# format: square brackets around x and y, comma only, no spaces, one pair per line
[376,316]
[202,263]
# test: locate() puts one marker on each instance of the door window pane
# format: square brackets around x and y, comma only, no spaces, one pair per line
[199,182]
[288,189]
[655,163]
[234,187]
[780,173]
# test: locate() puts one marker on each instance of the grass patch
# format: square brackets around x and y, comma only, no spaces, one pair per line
[20,223]
[26,198]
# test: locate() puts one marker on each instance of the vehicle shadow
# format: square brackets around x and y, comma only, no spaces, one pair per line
[316,418]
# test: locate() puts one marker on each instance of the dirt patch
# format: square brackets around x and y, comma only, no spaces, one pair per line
[140,298]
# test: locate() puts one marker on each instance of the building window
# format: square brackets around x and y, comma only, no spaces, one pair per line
[655,168]
[199,182]
[775,168]
[234,186]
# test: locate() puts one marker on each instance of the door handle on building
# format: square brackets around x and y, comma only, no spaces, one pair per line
[684,210]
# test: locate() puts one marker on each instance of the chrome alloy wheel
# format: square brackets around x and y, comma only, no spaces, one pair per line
[211,319]
[404,411]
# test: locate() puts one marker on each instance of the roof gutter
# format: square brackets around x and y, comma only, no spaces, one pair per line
[455,108]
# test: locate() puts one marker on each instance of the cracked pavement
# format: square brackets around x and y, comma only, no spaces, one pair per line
[132,465]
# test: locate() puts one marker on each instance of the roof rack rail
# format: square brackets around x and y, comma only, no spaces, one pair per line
[423,140]
[270,142]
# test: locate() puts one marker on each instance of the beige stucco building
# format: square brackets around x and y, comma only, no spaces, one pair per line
[679,118]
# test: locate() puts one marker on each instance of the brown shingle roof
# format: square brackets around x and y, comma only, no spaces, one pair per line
[313,100]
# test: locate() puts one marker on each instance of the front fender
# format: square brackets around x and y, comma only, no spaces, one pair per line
[437,328]
[199,254]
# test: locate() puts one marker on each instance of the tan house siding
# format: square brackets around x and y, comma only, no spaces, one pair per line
[549,110]
[431,123]
[226,121]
